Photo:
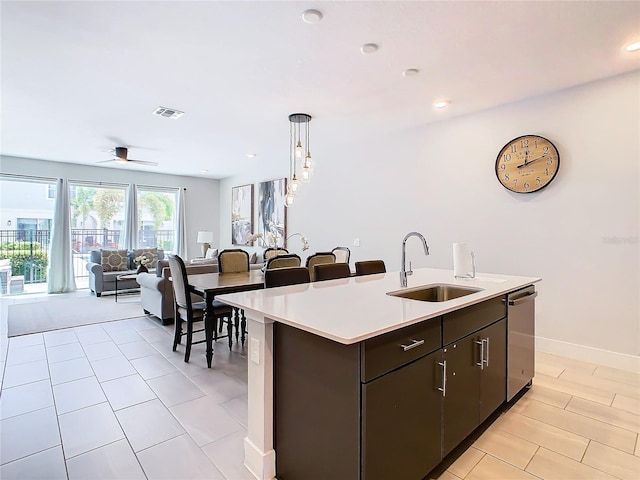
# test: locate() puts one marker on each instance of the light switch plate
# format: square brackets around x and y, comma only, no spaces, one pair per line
[255,351]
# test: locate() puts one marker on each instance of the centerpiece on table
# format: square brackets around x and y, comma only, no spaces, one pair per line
[142,261]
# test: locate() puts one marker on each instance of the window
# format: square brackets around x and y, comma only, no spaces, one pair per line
[157,222]
[51,191]
[97,216]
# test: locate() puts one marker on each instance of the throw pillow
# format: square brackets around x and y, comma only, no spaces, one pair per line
[150,253]
[254,258]
[113,260]
[211,253]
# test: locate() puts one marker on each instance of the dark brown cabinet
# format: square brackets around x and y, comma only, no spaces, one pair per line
[391,406]
[402,421]
[475,382]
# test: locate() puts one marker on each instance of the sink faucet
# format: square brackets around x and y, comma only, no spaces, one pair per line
[404,273]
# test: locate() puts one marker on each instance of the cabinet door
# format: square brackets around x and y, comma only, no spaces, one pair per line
[401,421]
[493,376]
[462,391]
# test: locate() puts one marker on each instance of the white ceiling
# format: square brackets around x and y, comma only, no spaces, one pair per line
[79,78]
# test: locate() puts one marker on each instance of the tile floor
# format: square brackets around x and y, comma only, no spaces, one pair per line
[113,401]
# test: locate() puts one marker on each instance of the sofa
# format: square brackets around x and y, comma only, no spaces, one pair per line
[156,288]
[106,264]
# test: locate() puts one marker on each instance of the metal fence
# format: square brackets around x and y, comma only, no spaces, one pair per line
[29,250]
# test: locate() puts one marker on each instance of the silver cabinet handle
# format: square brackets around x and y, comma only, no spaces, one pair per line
[486,362]
[525,298]
[481,362]
[414,344]
[444,378]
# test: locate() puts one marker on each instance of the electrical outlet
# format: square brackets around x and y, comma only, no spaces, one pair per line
[356,242]
[255,351]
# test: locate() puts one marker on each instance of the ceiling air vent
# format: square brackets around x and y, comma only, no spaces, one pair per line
[168,112]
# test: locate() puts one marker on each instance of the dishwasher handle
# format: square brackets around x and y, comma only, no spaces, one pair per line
[523,299]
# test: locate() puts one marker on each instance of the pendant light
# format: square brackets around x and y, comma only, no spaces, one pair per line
[298,154]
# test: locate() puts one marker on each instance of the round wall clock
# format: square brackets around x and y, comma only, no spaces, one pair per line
[527,164]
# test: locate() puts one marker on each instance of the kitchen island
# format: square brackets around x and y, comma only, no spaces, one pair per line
[331,352]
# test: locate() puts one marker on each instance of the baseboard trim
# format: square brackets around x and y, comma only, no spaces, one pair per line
[598,356]
[261,465]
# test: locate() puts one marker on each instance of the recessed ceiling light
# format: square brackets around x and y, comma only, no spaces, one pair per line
[411,72]
[441,104]
[251,155]
[311,16]
[369,48]
[204,171]
[168,112]
[633,47]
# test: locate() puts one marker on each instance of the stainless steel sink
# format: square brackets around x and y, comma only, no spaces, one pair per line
[440,292]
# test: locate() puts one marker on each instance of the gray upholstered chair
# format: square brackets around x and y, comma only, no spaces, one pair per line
[280,277]
[369,267]
[318,258]
[191,312]
[330,271]
[287,260]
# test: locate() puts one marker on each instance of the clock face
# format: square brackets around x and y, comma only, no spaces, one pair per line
[527,164]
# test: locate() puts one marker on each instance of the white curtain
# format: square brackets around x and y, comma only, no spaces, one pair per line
[130,241]
[60,278]
[181,241]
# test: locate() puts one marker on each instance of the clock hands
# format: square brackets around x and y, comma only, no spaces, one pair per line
[527,162]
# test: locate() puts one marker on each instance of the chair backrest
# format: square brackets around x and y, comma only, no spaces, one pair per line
[369,267]
[330,271]
[180,281]
[342,254]
[318,258]
[280,277]
[233,260]
[281,261]
[274,252]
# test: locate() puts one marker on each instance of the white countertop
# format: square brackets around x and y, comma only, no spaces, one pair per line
[353,309]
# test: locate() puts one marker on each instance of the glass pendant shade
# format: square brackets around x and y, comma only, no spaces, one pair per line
[299,150]
[289,199]
[294,184]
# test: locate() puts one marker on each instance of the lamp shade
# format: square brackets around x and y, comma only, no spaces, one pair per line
[205,237]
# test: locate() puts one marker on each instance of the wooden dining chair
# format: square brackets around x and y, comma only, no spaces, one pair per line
[279,277]
[369,267]
[318,258]
[190,308]
[274,252]
[287,260]
[342,254]
[233,260]
[330,271]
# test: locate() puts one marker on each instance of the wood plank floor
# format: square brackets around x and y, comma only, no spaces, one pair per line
[578,421]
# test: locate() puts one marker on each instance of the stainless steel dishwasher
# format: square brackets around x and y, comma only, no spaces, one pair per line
[521,316]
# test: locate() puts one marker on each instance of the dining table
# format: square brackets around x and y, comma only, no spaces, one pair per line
[208,285]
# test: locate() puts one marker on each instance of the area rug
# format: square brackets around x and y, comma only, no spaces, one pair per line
[46,315]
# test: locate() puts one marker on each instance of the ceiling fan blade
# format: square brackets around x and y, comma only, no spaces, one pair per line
[143,162]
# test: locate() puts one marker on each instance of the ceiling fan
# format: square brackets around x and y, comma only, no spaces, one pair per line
[121,157]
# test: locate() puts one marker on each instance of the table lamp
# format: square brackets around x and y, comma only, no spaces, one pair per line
[205,238]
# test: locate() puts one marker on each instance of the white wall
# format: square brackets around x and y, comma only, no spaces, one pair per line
[201,196]
[580,234]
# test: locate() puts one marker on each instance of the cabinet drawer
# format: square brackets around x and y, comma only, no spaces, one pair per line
[459,324]
[389,351]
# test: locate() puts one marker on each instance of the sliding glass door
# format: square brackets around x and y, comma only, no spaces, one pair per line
[26,216]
